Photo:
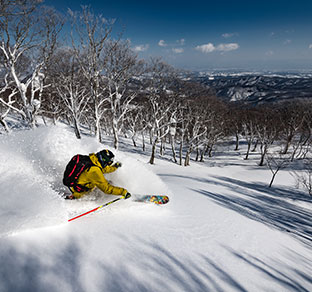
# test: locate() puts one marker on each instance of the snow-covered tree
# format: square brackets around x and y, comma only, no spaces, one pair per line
[161,118]
[134,123]
[162,107]
[172,137]
[70,85]
[120,68]
[89,35]
[184,114]
[7,101]
[216,122]
[28,34]
[195,132]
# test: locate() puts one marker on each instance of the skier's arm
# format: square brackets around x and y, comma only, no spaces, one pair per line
[99,180]
[110,168]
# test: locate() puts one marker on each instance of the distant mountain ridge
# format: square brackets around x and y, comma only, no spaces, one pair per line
[258,88]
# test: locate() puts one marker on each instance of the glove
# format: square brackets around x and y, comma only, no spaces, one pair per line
[69,197]
[117,164]
[127,196]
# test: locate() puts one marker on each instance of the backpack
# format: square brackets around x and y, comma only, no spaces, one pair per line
[74,168]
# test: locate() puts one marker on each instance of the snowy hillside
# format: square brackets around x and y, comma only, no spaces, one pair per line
[257,87]
[223,229]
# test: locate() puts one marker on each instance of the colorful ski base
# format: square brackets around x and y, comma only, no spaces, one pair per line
[159,200]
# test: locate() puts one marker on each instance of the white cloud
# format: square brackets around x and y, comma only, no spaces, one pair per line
[310,46]
[227,47]
[209,48]
[141,48]
[178,50]
[286,42]
[229,35]
[181,42]
[162,43]
[269,53]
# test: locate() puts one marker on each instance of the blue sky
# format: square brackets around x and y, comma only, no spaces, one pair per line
[198,34]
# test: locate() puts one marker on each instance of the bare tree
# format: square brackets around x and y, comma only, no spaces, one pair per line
[52,106]
[121,67]
[8,91]
[184,114]
[160,100]
[161,118]
[267,129]
[6,104]
[216,122]
[28,32]
[135,123]
[249,121]
[304,178]
[195,131]
[235,126]
[70,85]
[302,141]
[172,137]
[276,161]
[292,117]
[89,34]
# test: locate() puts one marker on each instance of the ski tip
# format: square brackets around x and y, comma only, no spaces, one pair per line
[156,199]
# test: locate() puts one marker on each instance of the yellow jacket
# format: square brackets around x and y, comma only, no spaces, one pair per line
[93,177]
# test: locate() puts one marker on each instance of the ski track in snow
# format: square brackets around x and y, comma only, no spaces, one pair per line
[223,229]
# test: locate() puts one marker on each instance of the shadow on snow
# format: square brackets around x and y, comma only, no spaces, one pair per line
[157,269]
[276,207]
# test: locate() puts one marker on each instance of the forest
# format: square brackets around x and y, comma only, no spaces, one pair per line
[76,69]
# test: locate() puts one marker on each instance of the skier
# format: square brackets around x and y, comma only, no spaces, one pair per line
[84,173]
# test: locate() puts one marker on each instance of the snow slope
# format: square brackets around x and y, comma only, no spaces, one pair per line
[223,229]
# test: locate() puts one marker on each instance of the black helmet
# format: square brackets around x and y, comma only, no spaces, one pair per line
[105,157]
